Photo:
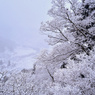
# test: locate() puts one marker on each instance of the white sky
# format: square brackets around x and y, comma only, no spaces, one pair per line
[20,21]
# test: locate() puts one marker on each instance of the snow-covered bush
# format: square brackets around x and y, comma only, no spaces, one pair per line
[77,78]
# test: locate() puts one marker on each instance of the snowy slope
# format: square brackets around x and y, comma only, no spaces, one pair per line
[21,57]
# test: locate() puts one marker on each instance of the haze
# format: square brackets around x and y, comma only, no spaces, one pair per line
[20,22]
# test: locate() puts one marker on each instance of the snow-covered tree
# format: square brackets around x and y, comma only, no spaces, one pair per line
[67,69]
[71,31]
[72,24]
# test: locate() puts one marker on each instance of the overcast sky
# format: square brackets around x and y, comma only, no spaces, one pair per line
[20,21]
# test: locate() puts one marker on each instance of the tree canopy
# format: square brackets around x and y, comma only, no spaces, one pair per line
[67,69]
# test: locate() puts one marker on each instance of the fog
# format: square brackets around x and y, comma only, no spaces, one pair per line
[20,37]
[20,23]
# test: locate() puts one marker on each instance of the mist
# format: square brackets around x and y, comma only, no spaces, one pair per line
[20,37]
[20,23]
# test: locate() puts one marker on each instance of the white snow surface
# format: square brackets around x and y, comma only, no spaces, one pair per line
[21,57]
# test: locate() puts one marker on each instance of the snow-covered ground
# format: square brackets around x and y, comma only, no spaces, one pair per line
[21,57]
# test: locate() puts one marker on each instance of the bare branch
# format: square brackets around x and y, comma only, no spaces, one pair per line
[50,74]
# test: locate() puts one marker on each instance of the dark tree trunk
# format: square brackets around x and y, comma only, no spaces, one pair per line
[83,1]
